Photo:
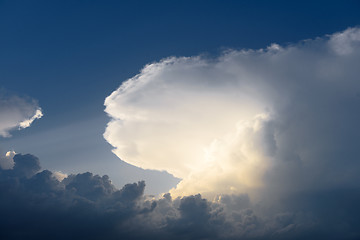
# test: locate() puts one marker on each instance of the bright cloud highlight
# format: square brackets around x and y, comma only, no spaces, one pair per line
[274,119]
[7,161]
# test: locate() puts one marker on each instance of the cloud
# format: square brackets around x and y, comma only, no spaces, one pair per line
[60,175]
[25,166]
[17,112]
[27,122]
[280,119]
[35,205]
[268,137]
[7,161]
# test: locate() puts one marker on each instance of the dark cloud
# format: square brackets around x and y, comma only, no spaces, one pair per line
[26,165]
[35,205]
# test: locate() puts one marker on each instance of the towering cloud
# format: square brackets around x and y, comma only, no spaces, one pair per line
[282,119]
[16,112]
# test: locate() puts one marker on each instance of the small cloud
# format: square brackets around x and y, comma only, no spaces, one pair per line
[26,123]
[17,112]
[7,162]
[274,47]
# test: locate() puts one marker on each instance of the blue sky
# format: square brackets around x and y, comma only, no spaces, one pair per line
[252,104]
[70,55]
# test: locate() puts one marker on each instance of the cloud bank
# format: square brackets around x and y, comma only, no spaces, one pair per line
[282,119]
[35,204]
[16,112]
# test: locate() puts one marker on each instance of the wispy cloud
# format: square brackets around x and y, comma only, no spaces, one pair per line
[27,122]
[17,112]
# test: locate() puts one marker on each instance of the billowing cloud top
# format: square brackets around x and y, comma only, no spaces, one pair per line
[280,118]
[17,112]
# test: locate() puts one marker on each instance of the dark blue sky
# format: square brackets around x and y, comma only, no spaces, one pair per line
[70,55]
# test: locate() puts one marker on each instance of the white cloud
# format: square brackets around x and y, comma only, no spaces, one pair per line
[27,122]
[346,42]
[17,112]
[283,118]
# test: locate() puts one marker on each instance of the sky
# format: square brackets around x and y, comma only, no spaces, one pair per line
[179,119]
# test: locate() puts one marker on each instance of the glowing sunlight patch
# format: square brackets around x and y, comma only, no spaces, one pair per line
[223,124]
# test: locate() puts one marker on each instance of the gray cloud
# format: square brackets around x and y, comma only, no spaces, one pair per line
[6,160]
[35,205]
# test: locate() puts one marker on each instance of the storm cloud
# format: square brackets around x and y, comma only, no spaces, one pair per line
[34,204]
[282,118]
[265,141]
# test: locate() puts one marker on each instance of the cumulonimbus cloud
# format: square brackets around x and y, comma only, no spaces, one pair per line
[276,130]
[17,112]
[283,117]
